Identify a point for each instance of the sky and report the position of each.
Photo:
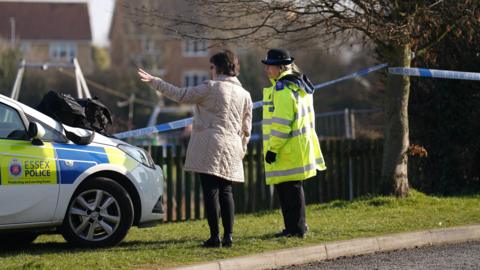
(101, 12)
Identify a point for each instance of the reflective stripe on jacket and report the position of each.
(289, 131)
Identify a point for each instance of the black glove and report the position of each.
(270, 157)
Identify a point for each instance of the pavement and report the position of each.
(332, 250)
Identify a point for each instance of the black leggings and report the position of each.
(218, 198)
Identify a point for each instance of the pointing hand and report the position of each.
(145, 76)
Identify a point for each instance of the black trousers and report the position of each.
(218, 198)
(292, 202)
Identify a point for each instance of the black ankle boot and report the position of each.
(283, 233)
(227, 240)
(212, 242)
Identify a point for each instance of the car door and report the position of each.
(28, 173)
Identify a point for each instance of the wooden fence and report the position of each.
(353, 169)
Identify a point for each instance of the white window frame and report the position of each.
(195, 48)
(57, 49)
(188, 77)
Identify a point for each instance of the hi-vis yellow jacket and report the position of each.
(289, 131)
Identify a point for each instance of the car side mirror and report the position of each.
(36, 133)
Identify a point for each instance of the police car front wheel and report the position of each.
(99, 214)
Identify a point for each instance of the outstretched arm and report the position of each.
(183, 95)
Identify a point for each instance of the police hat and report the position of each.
(278, 57)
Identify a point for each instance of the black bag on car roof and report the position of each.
(86, 113)
(97, 114)
(64, 108)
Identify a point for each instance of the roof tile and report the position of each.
(46, 21)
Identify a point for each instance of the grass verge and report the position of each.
(169, 245)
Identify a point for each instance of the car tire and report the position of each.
(99, 214)
(17, 239)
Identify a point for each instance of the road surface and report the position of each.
(454, 256)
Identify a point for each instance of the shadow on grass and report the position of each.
(56, 248)
(366, 200)
(142, 244)
(378, 202)
(39, 249)
(266, 236)
(337, 204)
(262, 213)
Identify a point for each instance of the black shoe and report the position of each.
(286, 233)
(227, 241)
(299, 235)
(283, 233)
(212, 242)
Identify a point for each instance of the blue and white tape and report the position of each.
(155, 129)
(359, 73)
(257, 104)
(435, 73)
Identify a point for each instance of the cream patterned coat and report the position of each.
(222, 123)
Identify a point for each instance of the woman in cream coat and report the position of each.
(221, 130)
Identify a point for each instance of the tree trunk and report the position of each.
(394, 165)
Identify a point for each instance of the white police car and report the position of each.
(90, 194)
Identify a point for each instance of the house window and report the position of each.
(148, 46)
(63, 50)
(194, 78)
(24, 47)
(194, 48)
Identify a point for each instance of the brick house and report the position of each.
(182, 62)
(48, 32)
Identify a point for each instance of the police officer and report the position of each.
(290, 143)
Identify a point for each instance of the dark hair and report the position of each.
(226, 63)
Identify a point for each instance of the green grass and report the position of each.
(178, 243)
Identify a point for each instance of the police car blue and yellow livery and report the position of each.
(289, 131)
(32, 166)
(91, 193)
(40, 165)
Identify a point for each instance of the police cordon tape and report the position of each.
(419, 72)
(155, 129)
(435, 73)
